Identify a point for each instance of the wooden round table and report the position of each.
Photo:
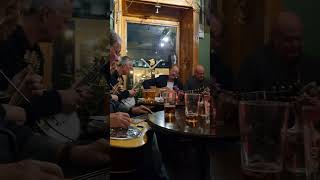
(180, 127)
(199, 137)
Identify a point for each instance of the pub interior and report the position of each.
(159, 90)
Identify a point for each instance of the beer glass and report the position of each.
(263, 127)
(295, 155)
(169, 98)
(204, 111)
(311, 121)
(192, 109)
(149, 95)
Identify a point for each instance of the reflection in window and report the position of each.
(150, 45)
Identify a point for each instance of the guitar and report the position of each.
(133, 137)
(62, 127)
(66, 127)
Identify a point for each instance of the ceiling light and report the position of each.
(161, 44)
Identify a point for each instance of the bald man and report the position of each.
(281, 63)
(198, 80)
(170, 81)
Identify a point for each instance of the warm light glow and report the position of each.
(165, 39)
(131, 72)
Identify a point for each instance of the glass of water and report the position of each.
(263, 127)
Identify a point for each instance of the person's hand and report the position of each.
(29, 83)
(15, 114)
(132, 92)
(115, 97)
(140, 110)
(31, 170)
(119, 119)
(92, 155)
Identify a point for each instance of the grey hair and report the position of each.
(35, 6)
(114, 38)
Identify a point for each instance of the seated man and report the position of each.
(116, 79)
(170, 81)
(197, 81)
(281, 63)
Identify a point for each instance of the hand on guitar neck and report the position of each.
(28, 83)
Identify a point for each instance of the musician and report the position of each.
(170, 81)
(43, 21)
(198, 81)
(18, 142)
(116, 78)
(281, 62)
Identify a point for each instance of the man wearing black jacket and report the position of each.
(170, 81)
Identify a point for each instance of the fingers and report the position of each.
(145, 109)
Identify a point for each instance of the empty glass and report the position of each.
(263, 126)
(192, 109)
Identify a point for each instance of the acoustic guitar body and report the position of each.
(127, 156)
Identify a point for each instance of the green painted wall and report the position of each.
(204, 53)
(308, 10)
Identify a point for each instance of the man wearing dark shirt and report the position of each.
(43, 22)
(170, 81)
(220, 73)
(281, 63)
(198, 81)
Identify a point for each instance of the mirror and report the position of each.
(149, 46)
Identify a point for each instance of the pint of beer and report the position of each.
(169, 105)
(149, 95)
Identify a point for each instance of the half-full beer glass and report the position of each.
(192, 109)
(169, 98)
(263, 127)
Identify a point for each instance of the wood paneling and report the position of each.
(180, 13)
(240, 40)
(47, 51)
(186, 3)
